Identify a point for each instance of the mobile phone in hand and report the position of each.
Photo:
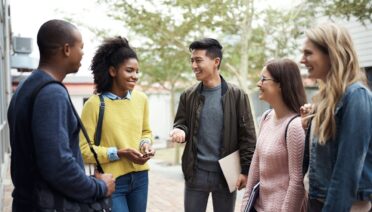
(148, 155)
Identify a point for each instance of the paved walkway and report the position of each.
(165, 190)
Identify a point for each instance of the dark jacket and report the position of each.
(46, 148)
(238, 126)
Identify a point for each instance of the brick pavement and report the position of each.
(167, 187)
(165, 190)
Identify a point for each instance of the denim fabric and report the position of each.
(112, 153)
(131, 192)
(115, 97)
(205, 182)
(340, 172)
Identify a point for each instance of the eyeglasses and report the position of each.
(263, 79)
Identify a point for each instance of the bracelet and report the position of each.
(144, 141)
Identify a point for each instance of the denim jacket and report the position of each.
(340, 172)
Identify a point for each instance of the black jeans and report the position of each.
(205, 182)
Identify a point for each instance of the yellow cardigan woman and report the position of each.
(125, 144)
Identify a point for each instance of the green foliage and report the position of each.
(165, 28)
(168, 27)
(361, 9)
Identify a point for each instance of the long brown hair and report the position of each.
(287, 73)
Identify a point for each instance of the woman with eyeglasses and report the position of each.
(277, 160)
(339, 177)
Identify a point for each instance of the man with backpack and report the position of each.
(44, 128)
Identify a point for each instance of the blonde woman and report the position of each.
(340, 164)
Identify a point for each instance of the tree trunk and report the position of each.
(244, 59)
(176, 159)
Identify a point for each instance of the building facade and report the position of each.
(362, 38)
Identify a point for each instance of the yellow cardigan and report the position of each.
(125, 123)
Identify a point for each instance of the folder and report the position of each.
(252, 198)
(231, 169)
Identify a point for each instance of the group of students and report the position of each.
(307, 157)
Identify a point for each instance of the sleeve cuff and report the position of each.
(245, 170)
(112, 153)
(102, 188)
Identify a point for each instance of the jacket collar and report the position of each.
(349, 89)
(224, 86)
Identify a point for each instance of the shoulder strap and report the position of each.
(286, 128)
(97, 137)
(35, 92)
(263, 118)
(32, 102)
(305, 163)
(266, 114)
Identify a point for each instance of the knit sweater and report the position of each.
(45, 146)
(277, 165)
(125, 123)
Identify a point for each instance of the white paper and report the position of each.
(230, 166)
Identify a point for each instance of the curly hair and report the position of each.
(336, 42)
(111, 53)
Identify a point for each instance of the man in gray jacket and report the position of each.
(214, 119)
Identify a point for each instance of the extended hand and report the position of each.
(305, 112)
(177, 135)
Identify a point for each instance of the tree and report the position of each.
(360, 9)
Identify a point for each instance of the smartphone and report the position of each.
(148, 155)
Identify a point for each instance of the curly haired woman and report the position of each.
(125, 144)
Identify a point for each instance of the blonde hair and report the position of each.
(335, 41)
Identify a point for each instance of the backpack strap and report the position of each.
(263, 118)
(97, 136)
(32, 102)
(36, 92)
(266, 114)
(305, 164)
(286, 128)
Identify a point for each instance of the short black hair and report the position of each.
(112, 52)
(213, 47)
(52, 35)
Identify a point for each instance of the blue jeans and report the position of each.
(131, 192)
(198, 189)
